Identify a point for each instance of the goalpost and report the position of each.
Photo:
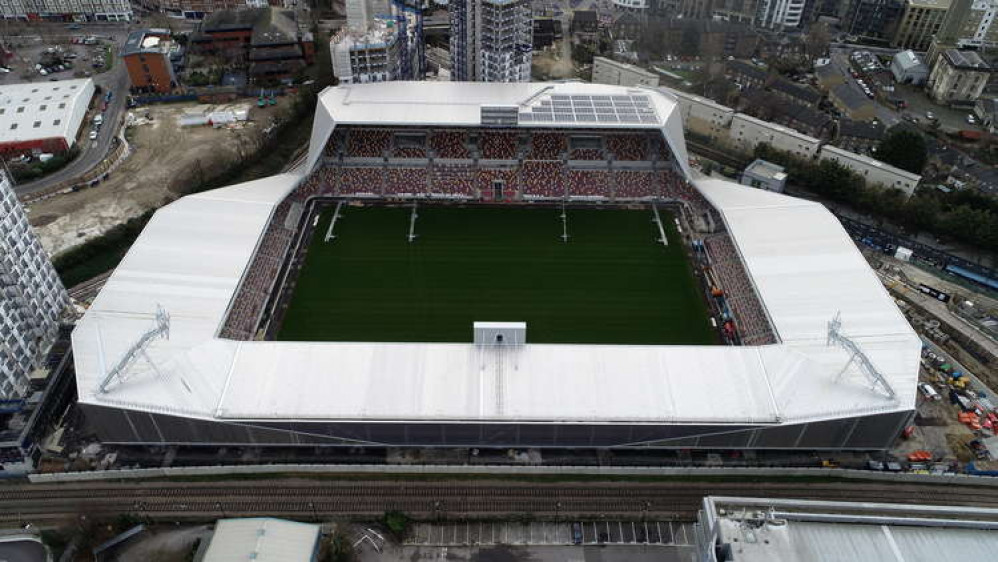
(332, 223)
(412, 224)
(564, 223)
(658, 222)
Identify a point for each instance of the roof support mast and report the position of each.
(836, 337)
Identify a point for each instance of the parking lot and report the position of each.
(662, 533)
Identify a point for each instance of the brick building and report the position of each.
(148, 55)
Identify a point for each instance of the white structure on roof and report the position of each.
(773, 530)
(908, 68)
(194, 252)
(43, 116)
(872, 170)
(764, 175)
(31, 297)
(263, 539)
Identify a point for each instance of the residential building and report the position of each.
(383, 41)
(491, 40)
(746, 75)
(32, 298)
(908, 68)
(269, 42)
(958, 76)
(872, 19)
(148, 55)
(198, 9)
(701, 116)
(780, 14)
(609, 71)
(748, 132)
(859, 136)
(42, 117)
(970, 24)
(920, 21)
(872, 170)
(986, 110)
(637, 5)
(795, 93)
(72, 10)
(263, 539)
(764, 175)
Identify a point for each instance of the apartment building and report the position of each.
(31, 297)
(75, 10)
(491, 40)
(609, 71)
(958, 76)
(920, 22)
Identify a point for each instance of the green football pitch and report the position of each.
(611, 283)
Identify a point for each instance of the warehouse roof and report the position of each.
(42, 110)
(262, 539)
(771, 530)
(193, 253)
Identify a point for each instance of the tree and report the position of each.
(905, 149)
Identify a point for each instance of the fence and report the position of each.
(485, 470)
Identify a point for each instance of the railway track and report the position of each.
(89, 289)
(161, 500)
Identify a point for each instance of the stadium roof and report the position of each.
(43, 110)
(192, 254)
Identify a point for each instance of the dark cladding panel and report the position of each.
(727, 440)
(877, 432)
(826, 434)
(778, 437)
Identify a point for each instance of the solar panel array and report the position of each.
(604, 110)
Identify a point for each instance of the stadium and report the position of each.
(496, 265)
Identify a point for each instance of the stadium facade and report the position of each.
(170, 351)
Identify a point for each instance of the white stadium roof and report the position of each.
(262, 539)
(192, 255)
(42, 110)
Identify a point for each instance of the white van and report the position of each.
(929, 392)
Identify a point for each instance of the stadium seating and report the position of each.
(750, 318)
(634, 184)
(450, 144)
(352, 181)
(586, 154)
(487, 178)
(589, 183)
(543, 179)
(368, 143)
(628, 147)
(409, 152)
(547, 146)
(497, 145)
(406, 181)
(454, 181)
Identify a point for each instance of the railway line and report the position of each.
(676, 500)
(89, 289)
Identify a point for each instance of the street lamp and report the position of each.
(311, 506)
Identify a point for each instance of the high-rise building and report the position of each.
(31, 297)
(920, 21)
(382, 41)
(491, 40)
(872, 19)
(780, 14)
(91, 10)
(970, 23)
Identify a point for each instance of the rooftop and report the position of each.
(262, 539)
(193, 253)
(930, 4)
(802, 93)
(768, 530)
(908, 59)
(861, 129)
(965, 60)
(147, 41)
(41, 110)
(765, 169)
(746, 69)
(868, 161)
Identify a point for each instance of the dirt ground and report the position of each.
(166, 159)
(554, 62)
(167, 545)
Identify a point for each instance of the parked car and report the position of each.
(93, 135)
(930, 116)
(970, 119)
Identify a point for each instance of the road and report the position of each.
(115, 80)
(840, 59)
(45, 504)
